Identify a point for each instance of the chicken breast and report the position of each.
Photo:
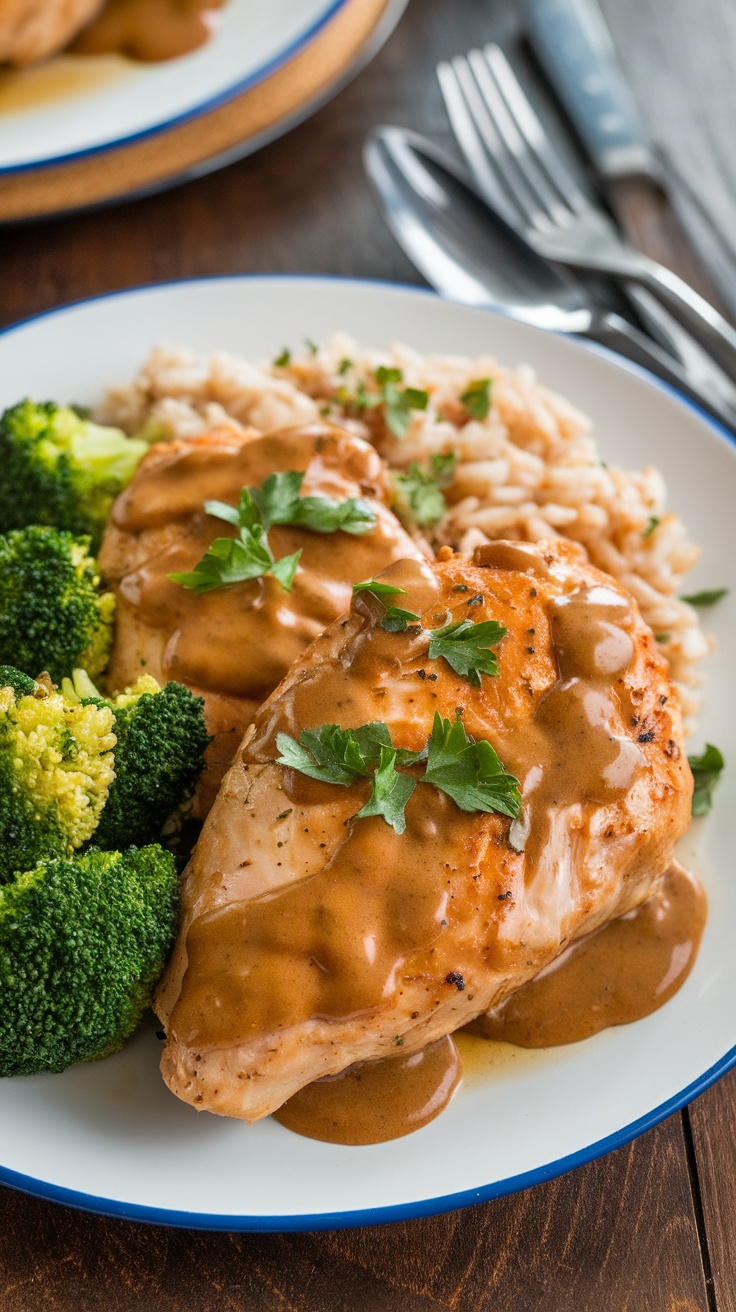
(311, 940)
(235, 644)
(31, 30)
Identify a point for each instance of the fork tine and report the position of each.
(499, 156)
(470, 143)
(534, 176)
(532, 131)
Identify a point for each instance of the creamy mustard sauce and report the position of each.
(622, 972)
(376, 1101)
(462, 909)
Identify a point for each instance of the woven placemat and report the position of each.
(252, 117)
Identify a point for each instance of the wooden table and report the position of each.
(651, 1226)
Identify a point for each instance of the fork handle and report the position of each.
(691, 310)
(617, 334)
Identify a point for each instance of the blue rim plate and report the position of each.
(109, 1137)
(165, 85)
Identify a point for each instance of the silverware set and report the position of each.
(517, 230)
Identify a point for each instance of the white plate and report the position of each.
(127, 101)
(110, 1137)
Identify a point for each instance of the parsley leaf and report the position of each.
(284, 360)
(469, 772)
(418, 492)
(394, 620)
(464, 645)
(237, 560)
(397, 403)
(477, 398)
(706, 771)
(331, 754)
(390, 794)
(705, 598)
(651, 525)
(278, 502)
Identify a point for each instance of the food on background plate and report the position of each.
(515, 778)
(460, 799)
(145, 30)
(227, 620)
(31, 30)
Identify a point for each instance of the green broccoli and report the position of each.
(83, 940)
(161, 741)
(56, 767)
(61, 469)
(53, 615)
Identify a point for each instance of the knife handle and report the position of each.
(573, 45)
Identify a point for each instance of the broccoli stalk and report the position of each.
(56, 767)
(53, 615)
(82, 942)
(161, 741)
(61, 469)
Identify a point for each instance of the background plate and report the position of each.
(130, 100)
(109, 1136)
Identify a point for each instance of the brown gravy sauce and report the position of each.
(389, 918)
(149, 31)
(376, 1101)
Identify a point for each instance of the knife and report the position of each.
(574, 47)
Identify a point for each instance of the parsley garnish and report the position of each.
(464, 645)
(395, 620)
(311, 346)
(477, 398)
(397, 403)
(390, 794)
(284, 360)
(705, 598)
(469, 772)
(652, 524)
(706, 771)
(419, 491)
(344, 365)
(248, 555)
(236, 560)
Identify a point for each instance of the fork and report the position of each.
(518, 171)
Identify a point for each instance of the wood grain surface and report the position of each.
(649, 1227)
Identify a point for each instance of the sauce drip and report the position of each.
(622, 972)
(149, 31)
(376, 1101)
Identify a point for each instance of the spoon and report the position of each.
(470, 254)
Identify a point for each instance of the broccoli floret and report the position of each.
(56, 767)
(61, 469)
(52, 614)
(161, 741)
(82, 942)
